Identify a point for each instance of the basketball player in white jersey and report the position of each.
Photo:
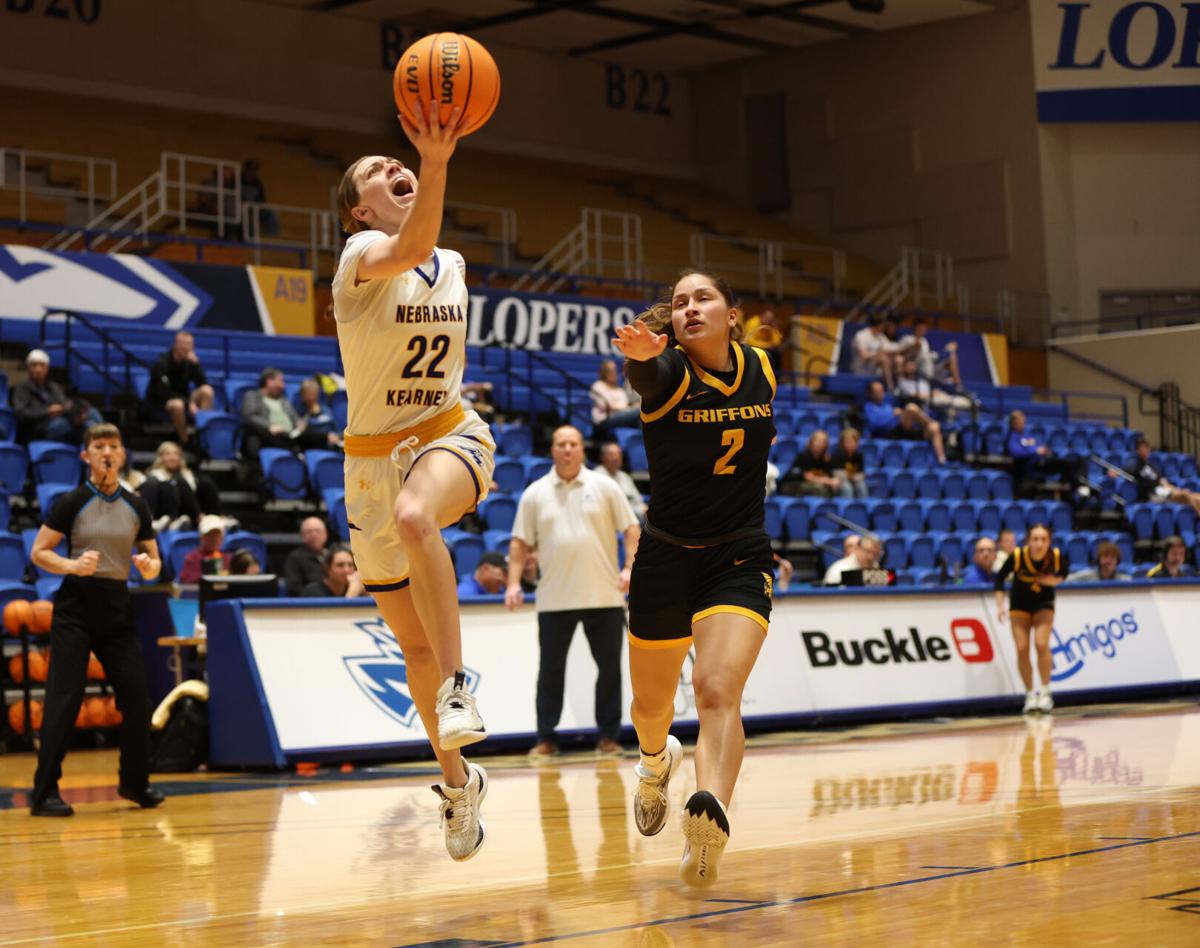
(415, 461)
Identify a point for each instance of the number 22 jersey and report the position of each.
(707, 435)
(403, 338)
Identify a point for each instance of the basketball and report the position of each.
(39, 666)
(82, 719)
(95, 671)
(454, 69)
(16, 716)
(42, 614)
(97, 714)
(112, 717)
(18, 615)
(16, 669)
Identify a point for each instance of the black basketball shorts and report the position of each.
(673, 587)
(1024, 599)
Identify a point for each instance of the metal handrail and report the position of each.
(92, 193)
(108, 341)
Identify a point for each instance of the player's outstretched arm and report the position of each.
(638, 344)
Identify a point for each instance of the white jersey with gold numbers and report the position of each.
(403, 339)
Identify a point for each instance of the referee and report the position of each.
(93, 611)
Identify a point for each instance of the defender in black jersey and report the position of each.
(1036, 569)
(93, 612)
(703, 571)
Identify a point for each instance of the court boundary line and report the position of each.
(859, 890)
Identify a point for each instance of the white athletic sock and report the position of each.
(656, 763)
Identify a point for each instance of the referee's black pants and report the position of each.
(605, 631)
(94, 615)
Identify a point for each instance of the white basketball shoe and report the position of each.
(650, 805)
(459, 723)
(706, 832)
(460, 814)
(1045, 702)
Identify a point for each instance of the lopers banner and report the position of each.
(545, 321)
(1117, 60)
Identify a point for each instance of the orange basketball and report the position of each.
(43, 615)
(16, 669)
(95, 671)
(39, 666)
(454, 69)
(16, 716)
(82, 719)
(18, 615)
(112, 717)
(97, 716)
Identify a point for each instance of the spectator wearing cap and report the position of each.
(979, 573)
(1108, 561)
(44, 413)
(340, 577)
(572, 517)
(212, 536)
(304, 564)
(178, 385)
(1173, 565)
(488, 579)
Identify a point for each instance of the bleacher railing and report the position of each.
(500, 225)
(19, 167)
(774, 265)
(604, 244)
(119, 383)
(283, 223)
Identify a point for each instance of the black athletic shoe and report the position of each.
(53, 805)
(706, 832)
(146, 797)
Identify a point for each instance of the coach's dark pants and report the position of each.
(605, 629)
(94, 615)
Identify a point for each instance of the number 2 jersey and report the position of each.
(403, 338)
(707, 435)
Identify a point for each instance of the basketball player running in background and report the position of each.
(415, 461)
(1036, 569)
(703, 569)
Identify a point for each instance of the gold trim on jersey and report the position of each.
(768, 371)
(739, 360)
(380, 445)
(731, 610)
(673, 400)
(658, 643)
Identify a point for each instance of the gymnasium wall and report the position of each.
(1122, 210)
(293, 66)
(924, 136)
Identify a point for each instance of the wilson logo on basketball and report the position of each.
(969, 637)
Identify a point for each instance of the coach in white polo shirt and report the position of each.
(572, 517)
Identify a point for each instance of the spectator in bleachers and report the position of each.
(572, 516)
(489, 578)
(611, 405)
(1032, 458)
(1173, 565)
(315, 415)
(874, 353)
(272, 422)
(177, 498)
(847, 463)
(1152, 487)
(44, 413)
(1006, 543)
(254, 191)
(477, 396)
(766, 332)
(980, 572)
(244, 563)
(1108, 558)
(937, 368)
(178, 385)
(202, 560)
(812, 471)
(304, 564)
(850, 543)
(865, 555)
(910, 423)
(911, 387)
(612, 462)
(340, 578)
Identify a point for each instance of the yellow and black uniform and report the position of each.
(704, 549)
(1028, 595)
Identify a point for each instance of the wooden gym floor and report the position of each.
(1081, 829)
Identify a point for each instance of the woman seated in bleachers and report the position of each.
(811, 474)
(611, 404)
(177, 497)
(315, 414)
(341, 576)
(847, 463)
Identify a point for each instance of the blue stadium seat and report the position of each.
(818, 507)
(954, 485)
(467, 549)
(1036, 511)
(829, 545)
(929, 485)
(922, 551)
(892, 454)
(796, 520)
(516, 441)
(870, 453)
(1000, 485)
(1122, 541)
(498, 512)
(953, 549)
(990, 517)
(773, 518)
(220, 434)
(509, 475)
(924, 576)
(963, 517)
(335, 506)
(235, 391)
(1098, 441)
(918, 454)
(47, 586)
(978, 486)
(1077, 440)
(1188, 467)
(1164, 520)
(804, 424)
(882, 515)
(1061, 520)
(877, 483)
(895, 550)
(536, 467)
(245, 540)
(1185, 520)
(784, 453)
(55, 462)
(497, 541)
(13, 558)
(14, 468)
(1056, 439)
(284, 474)
(326, 469)
(855, 511)
(785, 423)
(1013, 518)
(182, 543)
(937, 515)
(48, 493)
(1141, 520)
(903, 485)
(1078, 547)
(911, 516)
(8, 425)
